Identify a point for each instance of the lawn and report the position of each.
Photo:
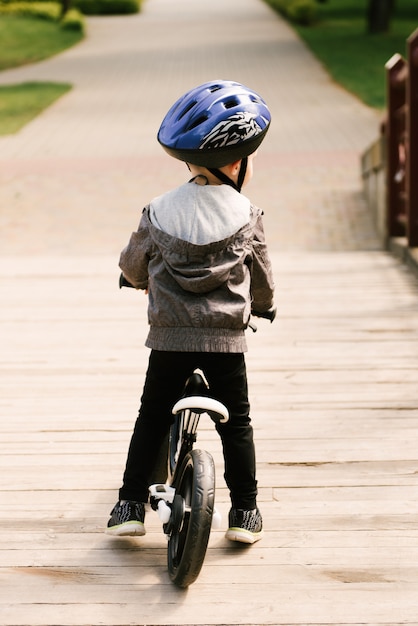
(28, 40)
(21, 103)
(354, 58)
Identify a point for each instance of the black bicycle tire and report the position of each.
(187, 546)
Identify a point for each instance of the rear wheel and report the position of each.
(191, 519)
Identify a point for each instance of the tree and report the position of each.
(65, 5)
(379, 13)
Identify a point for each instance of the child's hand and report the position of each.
(124, 282)
(270, 314)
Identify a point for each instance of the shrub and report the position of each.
(51, 11)
(107, 7)
(280, 6)
(44, 10)
(88, 7)
(73, 20)
(299, 11)
(302, 11)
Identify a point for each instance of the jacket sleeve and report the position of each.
(135, 257)
(262, 283)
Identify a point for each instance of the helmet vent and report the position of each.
(215, 88)
(200, 120)
(187, 109)
(229, 104)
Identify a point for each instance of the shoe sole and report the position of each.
(243, 536)
(128, 529)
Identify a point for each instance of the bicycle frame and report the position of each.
(183, 435)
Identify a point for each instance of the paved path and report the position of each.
(333, 382)
(77, 177)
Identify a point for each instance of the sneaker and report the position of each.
(245, 526)
(127, 519)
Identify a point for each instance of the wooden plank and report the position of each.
(345, 605)
(151, 550)
(391, 448)
(285, 537)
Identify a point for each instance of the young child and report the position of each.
(200, 254)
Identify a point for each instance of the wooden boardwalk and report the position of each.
(334, 388)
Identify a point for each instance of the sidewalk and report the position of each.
(332, 382)
(78, 176)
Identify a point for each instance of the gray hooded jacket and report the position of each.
(200, 251)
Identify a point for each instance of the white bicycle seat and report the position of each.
(201, 404)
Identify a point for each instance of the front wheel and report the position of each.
(191, 517)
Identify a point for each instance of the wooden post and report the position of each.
(412, 135)
(396, 69)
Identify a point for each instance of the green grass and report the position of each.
(19, 104)
(28, 40)
(354, 58)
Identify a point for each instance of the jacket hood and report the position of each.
(201, 268)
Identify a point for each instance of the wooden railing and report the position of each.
(390, 165)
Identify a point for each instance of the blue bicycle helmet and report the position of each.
(215, 124)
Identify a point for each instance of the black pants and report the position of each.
(164, 383)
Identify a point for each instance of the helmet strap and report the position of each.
(228, 181)
(203, 177)
(242, 172)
